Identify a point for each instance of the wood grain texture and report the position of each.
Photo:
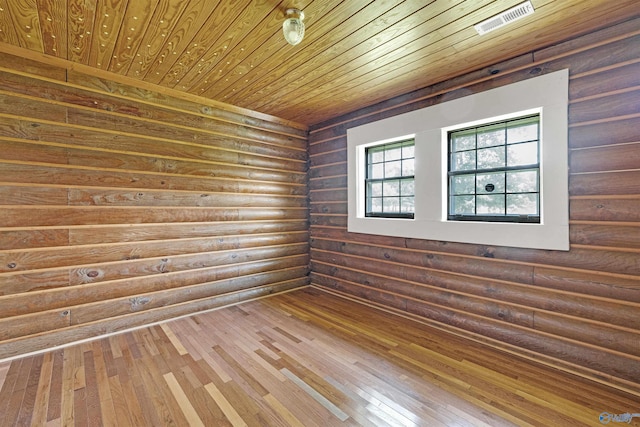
(117, 210)
(556, 306)
(305, 358)
(232, 51)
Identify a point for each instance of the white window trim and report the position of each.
(546, 95)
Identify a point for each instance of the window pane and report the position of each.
(391, 205)
(376, 171)
(465, 160)
(393, 154)
(488, 183)
(463, 205)
(376, 205)
(375, 189)
(522, 181)
(408, 151)
(522, 154)
(391, 188)
(490, 136)
(464, 140)
(522, 204)
(489, 158)
(407, 204)
(376, 156)
(393, 169)
(523, 130)
(463, 184)
(493, 204)
(408, 187)
(408, 167)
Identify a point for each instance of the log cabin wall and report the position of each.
(121, 206)
(577, 310)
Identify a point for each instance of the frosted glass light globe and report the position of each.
(293, 27)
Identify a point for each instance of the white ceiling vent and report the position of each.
(504, 18)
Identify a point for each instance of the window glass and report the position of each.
(494, 171)
(390, 184)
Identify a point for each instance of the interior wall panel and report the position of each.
(120, 206)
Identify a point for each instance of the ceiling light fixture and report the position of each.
(293, 27)
(504, 18)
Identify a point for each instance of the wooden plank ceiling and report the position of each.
(355, 52)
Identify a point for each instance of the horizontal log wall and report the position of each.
(577, 310)
(120, 206)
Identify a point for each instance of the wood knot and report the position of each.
(88, 276)
(535, 70)
(137, 302)
(12, 265)
(387, 256)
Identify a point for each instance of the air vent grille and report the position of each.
(504, 18)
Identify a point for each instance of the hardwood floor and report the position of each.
(304, 358)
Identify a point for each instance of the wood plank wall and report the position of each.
(577, 310)
(120, 206)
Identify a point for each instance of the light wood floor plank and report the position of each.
(185, 405)
(229, 411)
(69, 371)
(174, 340)
(283, 411)
(44, 388)
(303, 358)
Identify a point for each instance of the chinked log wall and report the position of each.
(121, 206)
(578, 310)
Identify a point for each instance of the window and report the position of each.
(389, 181)
(490, 168)
(494, 172)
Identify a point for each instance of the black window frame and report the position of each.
(369, 180)
(496, 218)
